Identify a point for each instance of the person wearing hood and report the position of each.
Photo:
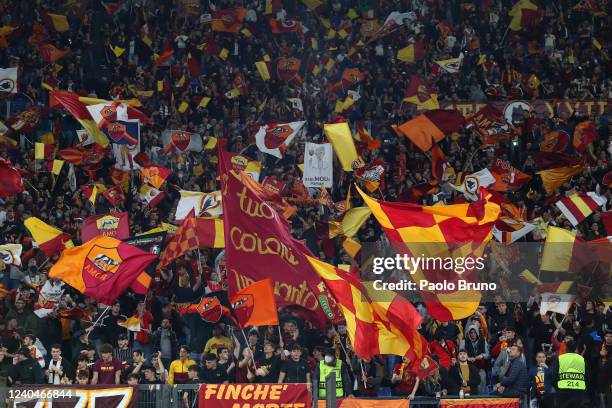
(478, 352)
(25, 369)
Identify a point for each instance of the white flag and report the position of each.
(8, 80)
(275, 139)
(10, 254)
(472, 183)
(556, 303)
(318, 165)
(84, 137)
(205, 204)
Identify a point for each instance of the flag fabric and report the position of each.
(57, 22)
(339, 135)
(364, 137)
(185, 240)
(275, 138)
(80, 156)
(524, 14)
(372, 175)
(351, 247)
(10, 255)
(555, 178)
(102, 268)
(155, 175)
(259, 245)
(211, 307)
(264, 69)
(284, 26)
(255, 305)
(206, 204)
(431, 127)
(51, 53)
(584, 135)
(114, 225)
(42, 151)
(439, 163)
(119, 121)
(114, 195)
(377, 323)
(556, 303)
(8, 80)
(153, 244)
(228, 21)
(420, 94)
(210, 232)
(131, 323)
(151, 195)
(507, 177)
(439, 231)
(529, 277)
(509, 230)
(577, 207)
(451, 65)
(411, 53)
(78, 109)
(181, 141)
(564, 251)
(353, 220)
(555, 141)
(49, 239)
(11, 182)
(490, 123)
(473, 182)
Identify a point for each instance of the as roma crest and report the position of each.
(276, 135)
(209, 309)
(109, 112)
(181, 140)
(243, 307)
(100, 264)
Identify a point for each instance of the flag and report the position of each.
(584, 135)
(58, 22)
(114, 225)
(509, 230)
(411, 53)
(163, 57)
(80, 156)
(451, 231)
(263, 68)
(287, 69)
(351, 247)
(259, 245)
(556, 303)
(561, 250)
(78, 109)
(420, 94)
(181, 141)
(26, 121)
(555, 178)
(275, 138)
(524, 14)
(228, 21)
(10, 255)
(151, 195)
(155, 175)
(42, 151)
(114, 195)
(431, 126)
(119, 121)
(210, 232)
(378, 322)
(102, 268)
(318, 165)
(473, 182)
(529, 277)
(131, 323)
(353, 220)
(50, 53)
(211, 307)
(555, 141)
(284, 26)
(451, 65)
(372, 175)
(339, 135)
(185, 240)
(255, 305)
(11, 183)
(438, 162)
(153, 244)
(577, 207)
(208, 204)
(507, 177)
(364, 137)
(117, 51)
(49, 239)
(8, 80)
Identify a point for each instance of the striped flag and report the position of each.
(565, 252)
(49, 239)
(577, 207)
(509, 230)
(378, 322)
(210, 232)
(77, 108)
(442, 231)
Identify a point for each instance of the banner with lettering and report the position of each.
(318, 165)
(543, 107)
(368, 403)
(480, 403)
(254, 395)
(89, 396)
(114, 225)
(258, 245)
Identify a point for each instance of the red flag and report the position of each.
(438, 162)
(284, 26)
(228, 21)
(10, 179)
(584, 134)
(507, 177)
(114, 225)
(114, 195)
(255, 305)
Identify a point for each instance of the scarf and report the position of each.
(53, 377)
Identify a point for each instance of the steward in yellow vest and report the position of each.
(571, 378)
(328, 365)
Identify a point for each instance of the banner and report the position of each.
(480, 403)
(89, 396)
(124, 153)
(318, 165)
(254, 395)
(542, 107)
(153, 244)
(368, 403)
(114, 225)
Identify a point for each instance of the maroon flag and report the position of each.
(10, 179)
(114, 225)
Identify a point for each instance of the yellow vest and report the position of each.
(324, 371)
(571, 372)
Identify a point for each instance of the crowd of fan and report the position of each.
(174, 349)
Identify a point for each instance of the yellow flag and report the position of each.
(262, 68)
(246, 32)
(354, 219)
(160, 86)
(181, 82)
(339, 135)
(39, 151)
(204, 101)
(343, 34)
(224, 54)
(183, 107)
(211, 143)
(60, 22)
(118, 51)
(558, 250)
(57, 167)
(555, 178)
(352, 14)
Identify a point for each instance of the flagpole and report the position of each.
(249, 347)
(280, 337)
(95, 323)
(363, 373)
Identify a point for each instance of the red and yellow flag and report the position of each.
(378, 322)
(102, 268)
(49, 239)
(228, 21)
(185, 240)
(155, 175)
(455, 232)
(255, 305)
(432, 126)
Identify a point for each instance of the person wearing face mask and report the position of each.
(328, 365)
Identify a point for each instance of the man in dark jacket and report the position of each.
(515, 381)
(463, 375)
(25, 369)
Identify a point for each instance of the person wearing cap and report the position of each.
(295, 369)
(330, 364)
(463, 375)
(211, 373)
(25, 369)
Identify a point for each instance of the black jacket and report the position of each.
(27, 371)
(455, 379)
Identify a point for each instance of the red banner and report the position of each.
(98, 396)
(543, 107)
(254, 395)
(259, 245)
(114, 225)
(480, 403)
(368, 403)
